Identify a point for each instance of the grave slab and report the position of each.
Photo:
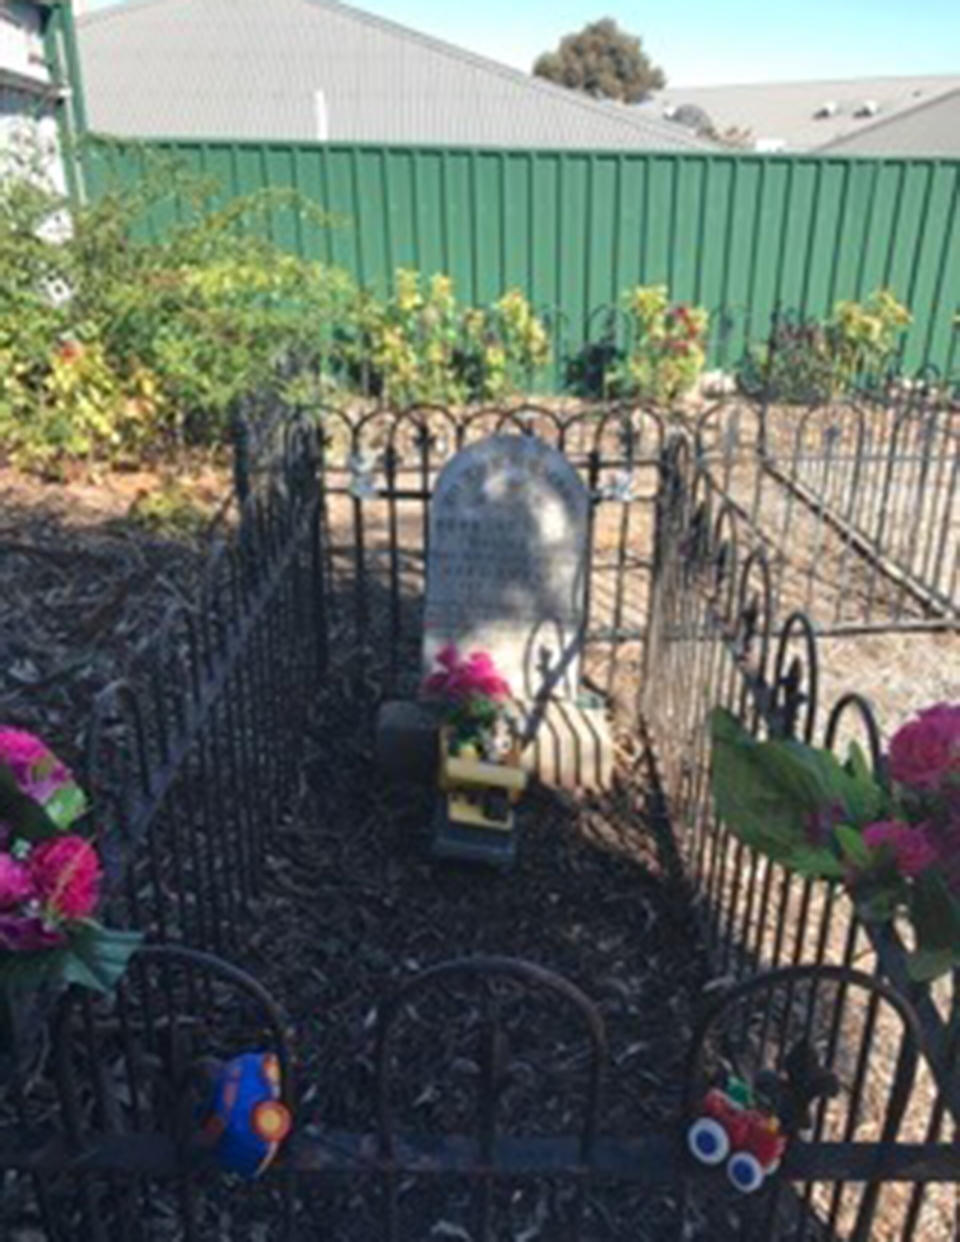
(507, 564)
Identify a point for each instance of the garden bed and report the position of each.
(87, 572)
(355, 906)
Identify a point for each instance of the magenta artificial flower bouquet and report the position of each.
(894, 844)
(50, 877)
(472, 696)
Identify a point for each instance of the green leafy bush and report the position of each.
(807, 362)
(795, 367)
(424, 347)
(864, 335)
(667, 347)
(115, 346)
(503, 347)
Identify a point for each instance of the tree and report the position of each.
(603, 61)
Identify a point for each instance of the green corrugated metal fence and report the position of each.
(742, 234)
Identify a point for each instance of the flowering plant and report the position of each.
(667, 352)
(895, 846)
(50, 877)
(471, 695)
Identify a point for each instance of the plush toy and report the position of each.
(748, 1126)
(246, 1121)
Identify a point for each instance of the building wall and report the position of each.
(36, 98)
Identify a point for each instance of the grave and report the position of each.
(507, 563)
(507, 573)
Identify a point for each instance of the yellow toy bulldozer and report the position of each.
(475, 818)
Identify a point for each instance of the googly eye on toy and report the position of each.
(246, 1121)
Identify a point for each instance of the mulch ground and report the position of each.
(357, 907)
(84, 585)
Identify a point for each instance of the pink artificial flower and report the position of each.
(27, 934)
(483, 678)
(460, 679)
(37, 771)
(926, 750)
(67, 874)
(912, 848)
(16, 883)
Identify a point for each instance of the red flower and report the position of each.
(70, 351)
(925, 752)
(911, 847)
(67, 873)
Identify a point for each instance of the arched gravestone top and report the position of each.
(507, 565)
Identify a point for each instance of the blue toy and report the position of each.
(247, 1121)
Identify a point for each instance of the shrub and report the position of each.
(424, 347)
(864, 335)
(411, 341)
(808, 361)
(504, 345)
(113, 345)
(666, 352)
(795, 366)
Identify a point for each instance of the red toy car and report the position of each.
(729, 1126)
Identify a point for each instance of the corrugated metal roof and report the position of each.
(250, 69)
(932, 128)
(788, 110)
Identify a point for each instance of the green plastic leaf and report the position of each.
(877, 905)
(935, 912)
(754, 800)
(97, 957)
(817, 863)
(857, 764)
(66, 805)
(854, 848)
(865, 799)
(925, 965)
(27, 818)
(771, 793)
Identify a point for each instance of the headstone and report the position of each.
(507, 566)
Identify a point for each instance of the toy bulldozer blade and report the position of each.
(475, 819)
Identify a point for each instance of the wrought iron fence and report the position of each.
(378, 471)
(127, 1160)
(190, 762)
(856, 503)
(717, 638)
(190, 767)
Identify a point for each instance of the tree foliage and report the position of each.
(603, 61)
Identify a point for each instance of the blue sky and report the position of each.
(710, 41)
